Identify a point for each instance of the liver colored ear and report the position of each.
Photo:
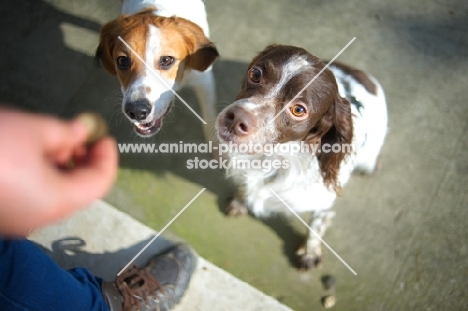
(341, 133)
(104, 50)
(335, 127)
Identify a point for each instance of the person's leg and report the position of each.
(30, 280)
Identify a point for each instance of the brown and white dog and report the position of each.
(171, 36)
(335, 126)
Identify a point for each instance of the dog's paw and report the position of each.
(236, 208)
(307, 260)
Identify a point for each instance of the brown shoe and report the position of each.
(158, 286)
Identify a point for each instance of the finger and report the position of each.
(92, 178)
(61, 138)
(80, 155)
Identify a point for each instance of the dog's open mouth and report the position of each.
(148, 129)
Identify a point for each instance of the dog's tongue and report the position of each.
(147, 129)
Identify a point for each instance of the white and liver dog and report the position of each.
(171, 36)
(342, 108)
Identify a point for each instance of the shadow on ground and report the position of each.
(69, 253)
(38, 71)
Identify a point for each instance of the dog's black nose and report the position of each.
(239, 121)
(138, 110)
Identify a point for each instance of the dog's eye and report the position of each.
(123, 62)
(255, 75)
(166, 61)
(298, 110)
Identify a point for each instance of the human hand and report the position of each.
(36, 187)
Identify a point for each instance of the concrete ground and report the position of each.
(403, 230)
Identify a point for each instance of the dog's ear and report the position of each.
(202, 51)
(204, 56)
(334, 134)
(106, 45)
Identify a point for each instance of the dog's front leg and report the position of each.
(236, 206)
(204, 86)
(310, 253)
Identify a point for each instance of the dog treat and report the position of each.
(328, 301)
(95, 126)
